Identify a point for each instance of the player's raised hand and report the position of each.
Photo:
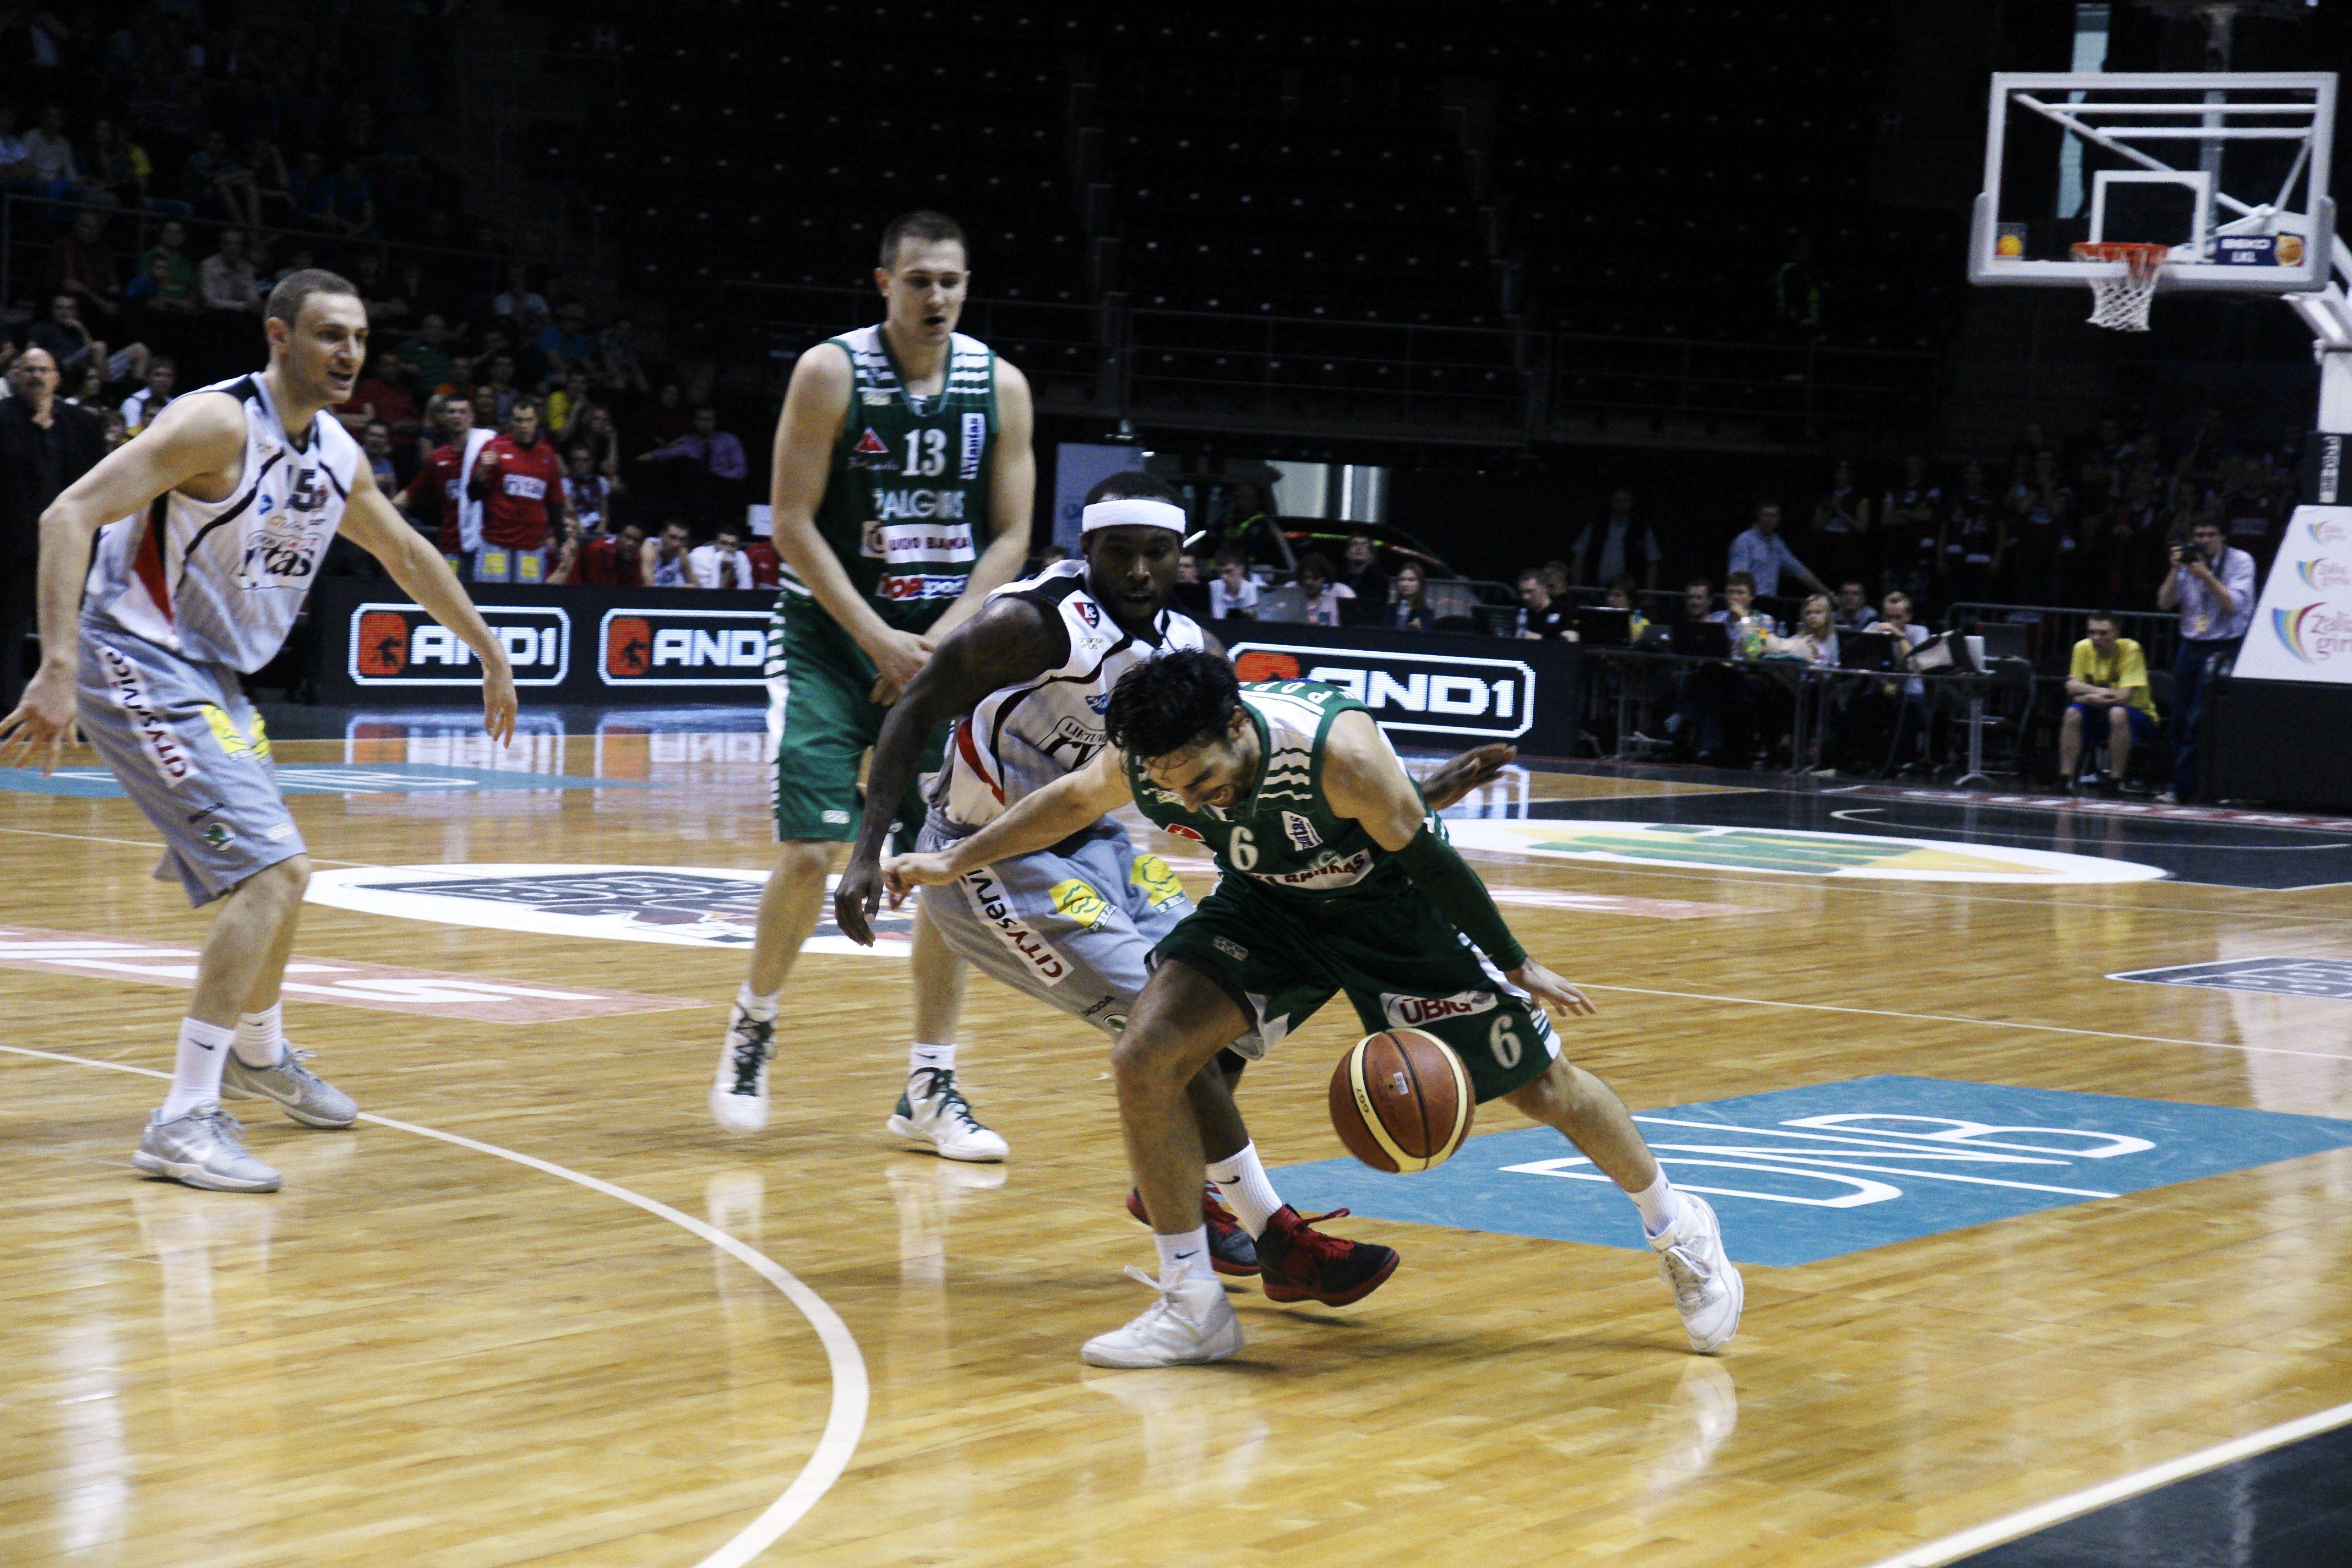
(1457, 776)
(498, 703)
(902, 874)
(897, 656)
(1550, 990)
(42, 724)
(855, 899)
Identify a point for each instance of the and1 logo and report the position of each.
(683, 647)
(400, 645)
(1435, 693)
(679, 906)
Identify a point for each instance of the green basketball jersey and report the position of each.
(905, 505)
(1283, 836)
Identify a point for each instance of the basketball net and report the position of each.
(2120, 300)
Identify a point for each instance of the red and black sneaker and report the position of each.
(1231, 1250)
(1299, 1263)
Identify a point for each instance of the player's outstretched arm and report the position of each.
(1038, 821)
(370, 523)
(1458, 776)
(1009, 641)
(200, 434)
(1011, 498)
(1363, 780)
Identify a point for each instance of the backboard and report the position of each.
(2228, 169)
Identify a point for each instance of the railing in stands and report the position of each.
(2052, 631)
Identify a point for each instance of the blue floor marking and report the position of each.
(1802, 1174)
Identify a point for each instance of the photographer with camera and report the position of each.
(2212, 586)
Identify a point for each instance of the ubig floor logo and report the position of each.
(682, 647)
(1802, 1174)
(686, 906)
(400, 645)
(1439, 693)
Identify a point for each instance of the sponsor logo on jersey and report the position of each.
(1179, 829)
(1099, 701)
(1437, 693)
(1412, 1012)
(682, 647)
(919, 587)
(1300, 831)
(400, 645)
(130, 688)
(1331, 870)
(876, 397)
(1087, 612)
(894, 505)
(233, 740)
(1159, 884)
(916, 540)
(975, 444)
(218, 834)
(525, 486)
(986, 896)
(873, 453)
(1075, 901)
(1231, 948)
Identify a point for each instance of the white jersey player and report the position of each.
(1075, 925)
(202, 540)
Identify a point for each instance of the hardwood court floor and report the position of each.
(424, 1354)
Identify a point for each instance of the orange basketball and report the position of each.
(1401, 1100)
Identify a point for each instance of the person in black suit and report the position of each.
(46, 443)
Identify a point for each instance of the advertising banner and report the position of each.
(2303, 623)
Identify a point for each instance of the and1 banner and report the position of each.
(2303, 624)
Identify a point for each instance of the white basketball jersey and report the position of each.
(1022, 738)
(221, 582)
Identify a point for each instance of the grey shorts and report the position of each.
(1074, 928)
(189, 749)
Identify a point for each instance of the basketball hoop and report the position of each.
(2120, 300)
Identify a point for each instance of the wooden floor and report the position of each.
(428, 1354)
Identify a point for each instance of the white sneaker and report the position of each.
(1191, 1324)
(205, 1148)
(1707, 1289)
(933, 1110)
(739, 1093)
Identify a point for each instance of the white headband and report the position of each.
(1132, 512)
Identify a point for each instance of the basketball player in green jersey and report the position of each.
(1335, 876)
(898, 444)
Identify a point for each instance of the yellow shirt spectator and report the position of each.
(2125, 668)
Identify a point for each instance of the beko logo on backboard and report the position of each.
(400, 645)
(1438, 692)
(682, 647)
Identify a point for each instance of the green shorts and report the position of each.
(1401, 963)
(821, 724)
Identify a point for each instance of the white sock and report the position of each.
(1660, 1206)
(1184, 1256)
(1242, 1183)
(920, 1056)
(758, 1008)
(197, 1067)
(261, 1036)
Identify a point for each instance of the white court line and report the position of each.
(1956, 1018)
(148, 844)
(2041, 1516)
(842, 1424)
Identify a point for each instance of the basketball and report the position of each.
(1400, 1100)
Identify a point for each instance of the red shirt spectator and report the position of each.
(613, 561)
(381, 395)
(520, 480)
(767, 571)
(437, 480)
